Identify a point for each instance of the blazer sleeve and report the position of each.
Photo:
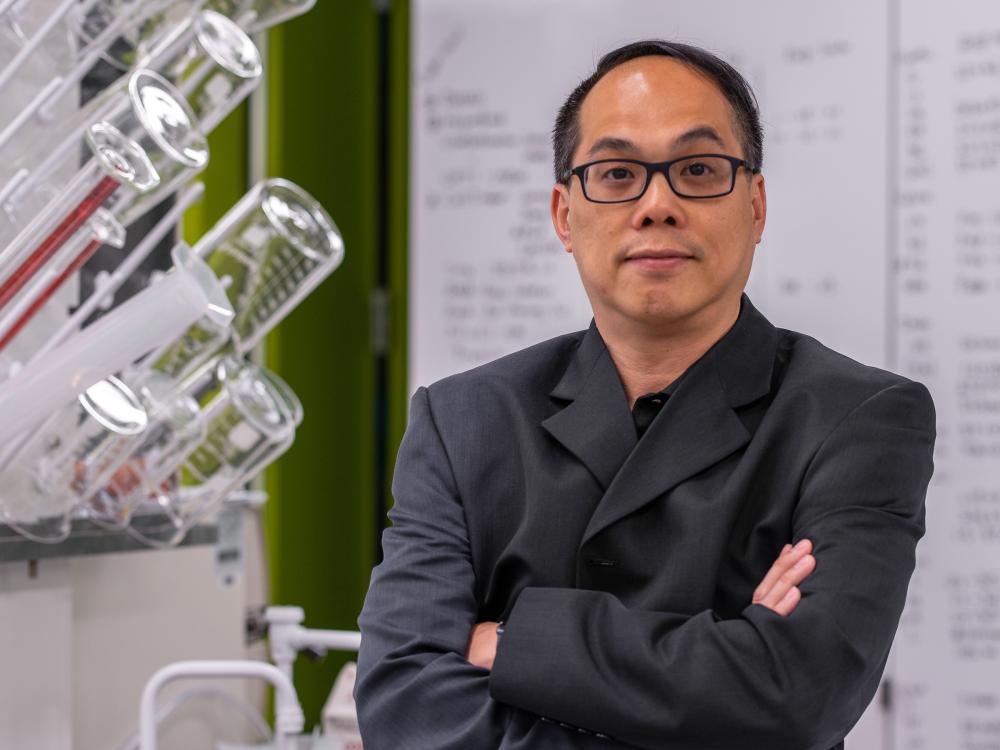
(656, 679)
(415, 690)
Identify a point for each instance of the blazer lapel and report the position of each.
(596, 426)
(698, 425)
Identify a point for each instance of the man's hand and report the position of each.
(779, 591)
(482, 648)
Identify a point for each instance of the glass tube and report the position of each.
(30, 46)
(176, 427)
(136, 25)
(161, 121)
(154, 316)
(118, 161)
(272, 248)
(251, 421)
(151, 146)
(101, 229)
(74, 453)
(258, 15)
(105, 26)
(269, 251)
(213, 63)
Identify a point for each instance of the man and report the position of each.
(623, 499)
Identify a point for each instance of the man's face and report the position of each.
(655, 108)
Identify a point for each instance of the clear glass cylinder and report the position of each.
(270, 250)
(73, 454)
(149, 141)
(176, 427)
(119, 167)
(123, 32)
(251, 421)
(161, 121)
(213, 63)
(258, 15)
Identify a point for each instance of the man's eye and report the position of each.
(617, 174)
(698, 169)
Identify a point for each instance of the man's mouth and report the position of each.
(658, 259)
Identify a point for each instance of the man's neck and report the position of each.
(649, 358)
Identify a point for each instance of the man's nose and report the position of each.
(659, 204)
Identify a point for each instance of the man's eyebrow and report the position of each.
(700, 133)
(612, 143)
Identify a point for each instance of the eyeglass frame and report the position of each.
(661, 167)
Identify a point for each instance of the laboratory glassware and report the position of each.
(101, 229)
(257, 15)
(64, 462)
(176, 427)
(106, 287)
(118, 161)
(270, 250)
(127, 30)
(153, 114)
(251, 421)
(169, 150)
(155, 315)
(213, 63)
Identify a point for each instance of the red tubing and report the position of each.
(59, 236)
(72, 268)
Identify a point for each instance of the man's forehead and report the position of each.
(653, 92)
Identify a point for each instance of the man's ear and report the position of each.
(758, 203)
(560, 215)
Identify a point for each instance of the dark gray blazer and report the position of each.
(624, 570)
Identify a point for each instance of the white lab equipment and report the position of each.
(340, 714)
(157, 314)
(288, 717)
(53, 21)
(286, 637)
(149, 111)
(101, 28)
(163, 123)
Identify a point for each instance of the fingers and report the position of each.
(788, 557)
(788, 602)
(779, 590)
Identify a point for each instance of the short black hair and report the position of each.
(566, 133)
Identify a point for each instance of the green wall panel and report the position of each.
(225, 177)
(398, 124)
(323, 119)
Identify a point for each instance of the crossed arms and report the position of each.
(787, 673)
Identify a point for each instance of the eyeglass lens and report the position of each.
(698, 177)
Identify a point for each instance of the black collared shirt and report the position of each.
(647, 407)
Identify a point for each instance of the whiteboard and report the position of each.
(882, 163)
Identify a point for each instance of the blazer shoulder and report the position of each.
(528, 374)
(810, 369)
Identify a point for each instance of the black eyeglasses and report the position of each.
(623, 180)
